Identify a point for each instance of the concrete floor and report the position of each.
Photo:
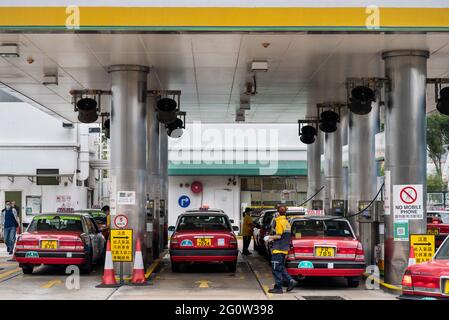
(195, 282)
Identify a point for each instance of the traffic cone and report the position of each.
(411, 258)
(138, 277)
(108, 280)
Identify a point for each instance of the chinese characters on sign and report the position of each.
(408, 202)
(122, 245)
(423, 246)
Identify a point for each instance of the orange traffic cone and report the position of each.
(411, 258)
(138, 277)
(108, 280)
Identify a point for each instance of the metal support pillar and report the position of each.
(128, 149)
(163, 163)
(405, 146)
(333, 168)
(363, 174)
(313, 168)
(153, 179)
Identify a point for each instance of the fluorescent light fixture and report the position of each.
(50, 80)
(9, 50)
(245, 106)
(259, 66)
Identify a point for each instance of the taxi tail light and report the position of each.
(407, 282)
(19, 243)
(346, 250)
(428, 282)
(291, 253)
(174, 242)
(233, 243)
(444, 230)
(303, 251)
(360, 254)
(68, 244)
(27, 244)
(79, 245)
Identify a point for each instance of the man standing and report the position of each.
(281, 245)
(10, 223)
(247, 231)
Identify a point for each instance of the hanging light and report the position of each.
(107, 128)
(87, 110)
(328, 121)
(443, 101)
(361, 99)
(175, 129)
(166, 110)
(307, 134)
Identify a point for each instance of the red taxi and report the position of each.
(60, 239)
(428, 280)
(325, 246)
(438, 224)
(203, 236)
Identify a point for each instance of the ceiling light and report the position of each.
(175, 129)
(443, 101)
(259, 66)
(10, 50)
(50, 80)
(307, 134)
(361, 99)
(87, 110)
(328, 121)
(166, 110)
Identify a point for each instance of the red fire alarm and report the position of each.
(196, 187)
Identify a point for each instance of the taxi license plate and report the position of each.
(446, 286)
(324, 252)
(203, 242)
(49, 244)
(433, 231)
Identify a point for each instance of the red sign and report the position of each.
(121, 221)
(408, 195)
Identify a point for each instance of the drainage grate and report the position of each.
(323, 298)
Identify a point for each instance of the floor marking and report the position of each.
(259, 281)
(10, 272)
(265, 289)
(203, 283)
(51, 283)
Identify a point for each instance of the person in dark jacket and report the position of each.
(279, 250)
(9, 221)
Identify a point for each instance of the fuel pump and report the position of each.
(338, 208)
(317, 204)
(369, 220)
(149, 218)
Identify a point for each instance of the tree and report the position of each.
(435, 183)
(437, 138)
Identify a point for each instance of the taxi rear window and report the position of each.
(443, 252)
(321, 228)
(56, 223)
(203, 222)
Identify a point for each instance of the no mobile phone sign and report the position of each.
(408, 202)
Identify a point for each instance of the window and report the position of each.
(56, 223)
(47, 181)
(321, 228)
(203, 222)
(443, 252)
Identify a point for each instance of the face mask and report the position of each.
(8, 207)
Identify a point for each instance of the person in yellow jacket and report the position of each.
(279, 250)
(247, 231)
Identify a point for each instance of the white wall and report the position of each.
(213, 186)
(31, 139)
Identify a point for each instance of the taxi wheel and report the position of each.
(175, 267)
(353, 282)
(232, 266)
(27, 269)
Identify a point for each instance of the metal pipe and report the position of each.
(128, 148)
(333, 167)
(153, 179)
(405, 146)
(313, 167)
(363, 173)
(163, 163)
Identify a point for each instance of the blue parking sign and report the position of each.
(184, 201)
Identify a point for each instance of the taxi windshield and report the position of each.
(321, 228)
(443, 252)
(56, 223)
(203, 222)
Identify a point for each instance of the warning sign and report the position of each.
(423, 246)
(408, 202)
(122, 245)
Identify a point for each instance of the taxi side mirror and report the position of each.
(235, 228)
(171, 228)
